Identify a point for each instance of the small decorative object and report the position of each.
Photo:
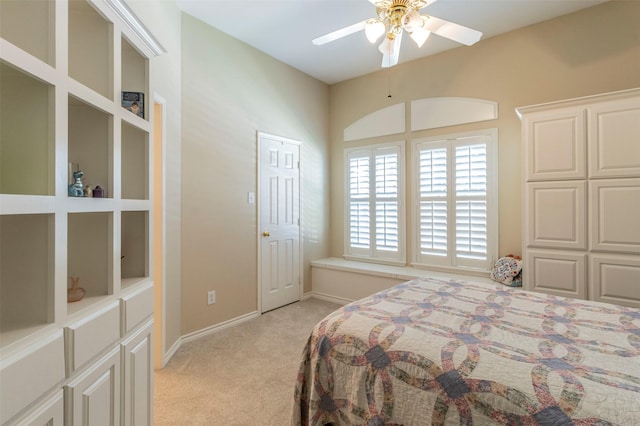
(75, 293)
(76, 189)
(88, 192)
(134, 102)
(98, 192)
(508, 271)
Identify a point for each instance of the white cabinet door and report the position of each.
(615, 279)
(556, 214)
(615, 215)
(555, 146)
(562, 273)
(93, 398)
(614, 139)
(137, 352)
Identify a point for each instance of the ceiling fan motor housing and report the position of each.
(395, 13)
(396, 16)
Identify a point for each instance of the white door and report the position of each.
(279, 231)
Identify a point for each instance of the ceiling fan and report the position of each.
(394, 16)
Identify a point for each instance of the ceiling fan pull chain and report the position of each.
(389, 82)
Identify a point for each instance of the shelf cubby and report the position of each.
(135, 163)
(91, 144)
(26, 134)
(26, 274)
(134, 250)
(90, 255)
(90, 48)
(30, 25)
(134, 72)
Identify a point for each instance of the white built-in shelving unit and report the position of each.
(63, 67)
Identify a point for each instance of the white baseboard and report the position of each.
(195, 335)
(171, 352)
(218, 327)
(327, 298)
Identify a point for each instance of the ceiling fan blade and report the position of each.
(342, 32)
(391, 60)
(375, 2)
(452, 31)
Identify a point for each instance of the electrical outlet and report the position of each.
(211, 297)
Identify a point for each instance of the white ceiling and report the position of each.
(284, 28)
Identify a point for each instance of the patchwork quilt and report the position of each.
(437, 352)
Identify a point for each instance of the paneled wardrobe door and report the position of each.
(614, 200)
(614, 138)
(555, 147)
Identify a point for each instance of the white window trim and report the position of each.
(373, 255)
(449, 263)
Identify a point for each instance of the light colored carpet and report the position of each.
(244, 375)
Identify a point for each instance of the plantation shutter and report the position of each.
(433, 201)
(471, 201)
(387, 202)
(359, 211)
(452, 202)
(375, 228)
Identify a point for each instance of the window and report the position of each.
(455, 199)
(374, 199)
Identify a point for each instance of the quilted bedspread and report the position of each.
(435, 352)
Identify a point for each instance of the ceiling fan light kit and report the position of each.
(397, 16)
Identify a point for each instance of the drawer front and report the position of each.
(90, 336)
(48, 413)
(136, 307)
(37, 369)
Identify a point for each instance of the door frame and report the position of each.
(160, 324)
(259, 136)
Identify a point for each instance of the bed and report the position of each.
(436, 352)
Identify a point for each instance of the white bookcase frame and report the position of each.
(63, 66)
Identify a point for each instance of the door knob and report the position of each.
(266, 234)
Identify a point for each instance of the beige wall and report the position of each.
(220, 92)
(163, 20)
(230, 92)
(592, 51)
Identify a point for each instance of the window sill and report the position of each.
(397, 272)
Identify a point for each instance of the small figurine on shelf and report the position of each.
(98, 192)
(88, 192)
(75, 293)
(76, 189)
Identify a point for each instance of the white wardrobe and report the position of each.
(581, 197)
